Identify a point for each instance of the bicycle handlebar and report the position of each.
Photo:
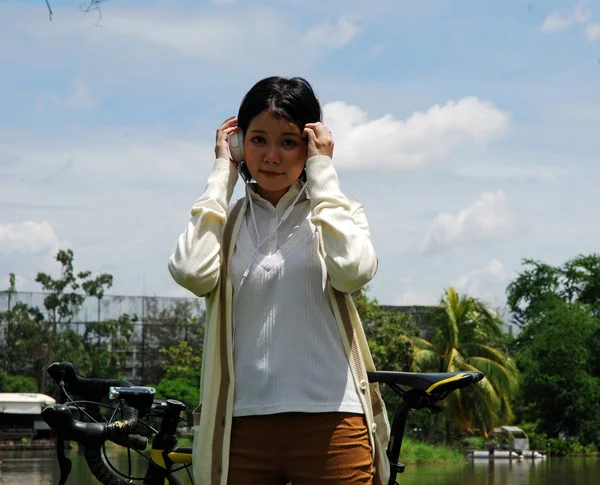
(89, 388)
(60, 418)
(93, 435)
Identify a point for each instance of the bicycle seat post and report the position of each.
(396, 437)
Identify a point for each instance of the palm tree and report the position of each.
(460, 341)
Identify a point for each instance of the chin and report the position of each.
(272, 187)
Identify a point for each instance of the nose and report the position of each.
(272, 153)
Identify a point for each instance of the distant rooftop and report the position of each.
(24, 403)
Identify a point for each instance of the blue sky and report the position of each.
(469, 130)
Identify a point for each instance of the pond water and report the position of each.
(41, 468)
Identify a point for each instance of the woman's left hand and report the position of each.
(320, 141)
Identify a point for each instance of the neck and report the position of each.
(272, 196)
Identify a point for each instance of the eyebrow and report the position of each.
(287, 133)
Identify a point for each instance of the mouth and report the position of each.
(268, 173)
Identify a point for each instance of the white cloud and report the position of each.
(81, 97)
(334, 36)
(509, 172)
(485, 283)
(390, 143)
(488, 217)
(79, 159)
(592, 32)
(28, 237)
(258, 37)
(563, 19)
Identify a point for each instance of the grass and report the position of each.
(413, 452)
(420, 453)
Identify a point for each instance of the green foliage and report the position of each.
(540, 285)
(461, 339)
(537, 440)
(181, 381)
(16, 383)
(12, 283)
(36, 337)
(560, 386)
(106, 342)
(25, 346)
(416, 452)
(473, 442)
(576, 448)
(388, 333)
(558, 447)
(165, 328)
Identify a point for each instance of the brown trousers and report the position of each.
(301, 448)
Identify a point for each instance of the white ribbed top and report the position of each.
(288, 355)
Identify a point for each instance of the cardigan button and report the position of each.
(363, 385)
(374, 427)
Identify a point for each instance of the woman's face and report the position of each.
(275, 154)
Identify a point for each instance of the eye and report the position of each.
(289, 143)
(258, 140)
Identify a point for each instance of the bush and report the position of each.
(558, 447)
(537, 440)
(17, 383)
(473, 442)
(576, 448)
(418, 452)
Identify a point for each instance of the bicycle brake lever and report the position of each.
(64, 463)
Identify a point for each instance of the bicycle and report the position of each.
(136, 404)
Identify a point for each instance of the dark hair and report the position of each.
(292, 99)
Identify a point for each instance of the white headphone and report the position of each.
(236, 145)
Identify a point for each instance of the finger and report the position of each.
(309, 133)
(223, 133)
(321, 130)
(229, 122)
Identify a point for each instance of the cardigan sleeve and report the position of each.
(195, 263)
(350, 258)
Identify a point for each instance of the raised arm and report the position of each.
(349, 254)
(195, 263)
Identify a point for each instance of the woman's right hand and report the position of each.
(228, 127)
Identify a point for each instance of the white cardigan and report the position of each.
(200, 263)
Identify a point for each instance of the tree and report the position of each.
(106, 342)
(388, 333)
(540, 284)
(463, 339)
(26, 339)
(64, 299)
(558, 358)
(16, 383)
(165, 328)
(34, 338)
(88, 6)
(181, 380)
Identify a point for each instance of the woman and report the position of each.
(284, 391)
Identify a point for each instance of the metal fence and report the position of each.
(156, 321)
